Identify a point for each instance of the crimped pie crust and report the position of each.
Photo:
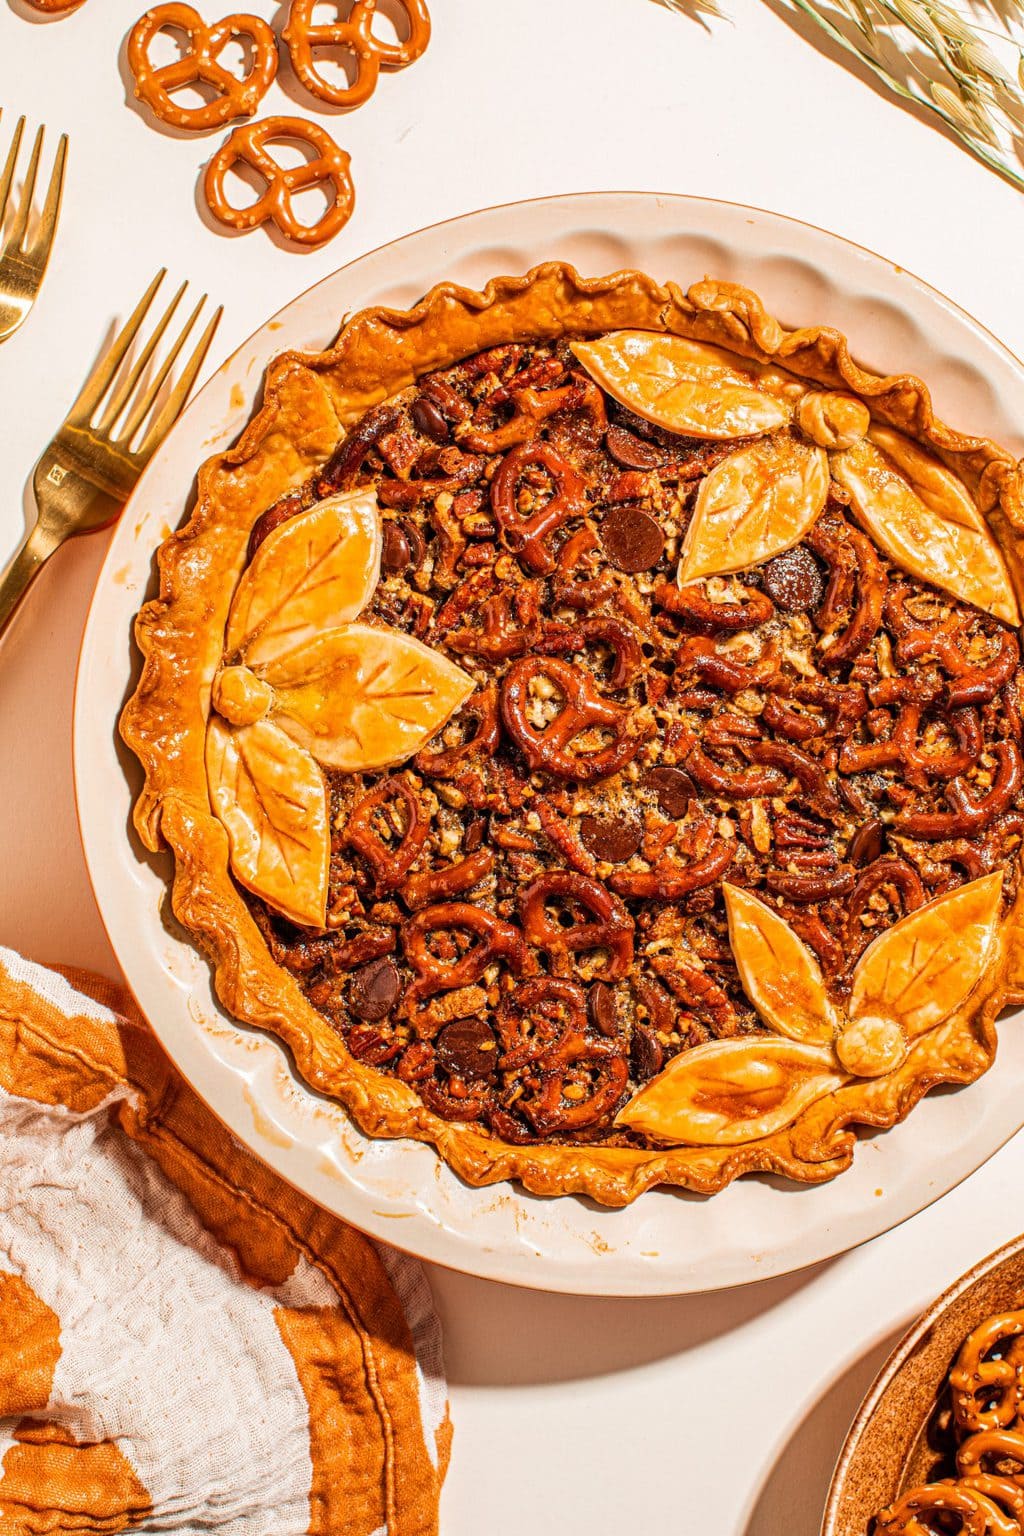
(309, 402)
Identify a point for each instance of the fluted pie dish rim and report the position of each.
(165, 723)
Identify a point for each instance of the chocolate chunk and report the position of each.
(793, 580)
(867, 842)
(601, 1008)
(375, 988)
(426, 418)
(610, 839)
(467, 1048)
(631, 538)
(632, 452)
(397, 551)
(674, 790)
(646, 1053)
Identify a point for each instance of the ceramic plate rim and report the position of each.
(224, 1062)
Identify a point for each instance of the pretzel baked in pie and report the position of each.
(586, 718)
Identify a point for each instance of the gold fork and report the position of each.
(22, 264)
(90, 468)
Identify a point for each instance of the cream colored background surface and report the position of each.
(720, 1414)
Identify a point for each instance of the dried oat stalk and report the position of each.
(944, 59)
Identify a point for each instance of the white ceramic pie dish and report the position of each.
(667, 1242)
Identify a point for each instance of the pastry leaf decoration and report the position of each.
(949, 950)
(924, 519)
(908, 981)
(315, 571)
(361, 697)
(686, 386)
(303, 685)
(759, 501)
(779, 973)
(269, 796)
(730, 1094)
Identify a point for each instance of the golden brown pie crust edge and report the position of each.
(307, 401)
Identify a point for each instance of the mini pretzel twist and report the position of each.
(491, 939)
(1003, 1447)
(303, 37)
(606, 925)
(247, 146)
(919, 1510)
(550, 746)
(445, 762)
(389, 856)
(235, 97)
(575, 1080)
(531, 408)
(988, 1392)
(526, 533)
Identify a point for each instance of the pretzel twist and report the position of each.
(550, 746)
(916, 1513)
(978, 1380)
(491, 939)
(606, 925)
(389, 857)
(199, 65)
(1000, 1446)
(248, 146)
(526, 533)
(304, 37)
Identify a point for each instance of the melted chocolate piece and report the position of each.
(674, 790)
(601, 1008)
(467, 1048)
(631, 538)
(375, 988)
(610, 839)
(793, 580)
(646, 1053)
(426, 418)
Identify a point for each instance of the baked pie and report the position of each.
(586, 718)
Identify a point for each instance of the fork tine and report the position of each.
(174, 404)
(98, 382)
(144, 404)
(40, 248)
(7, 176)
(124, 391)
(19, 227)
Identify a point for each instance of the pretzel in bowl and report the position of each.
(233, 97)
(247, 146)
(986, 1498)
(356, 37)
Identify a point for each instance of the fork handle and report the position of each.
(35, 550)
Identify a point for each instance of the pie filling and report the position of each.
(526, 920)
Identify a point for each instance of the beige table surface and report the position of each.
(718, 1414)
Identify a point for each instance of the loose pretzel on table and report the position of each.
(303, 37)
(236, 97)
(247, 146)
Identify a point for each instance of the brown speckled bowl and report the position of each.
(888, 1449)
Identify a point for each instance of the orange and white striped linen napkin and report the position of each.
(187, 1343)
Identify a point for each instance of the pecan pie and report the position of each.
(587, 721)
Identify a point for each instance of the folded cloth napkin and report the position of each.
(185, 1341)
